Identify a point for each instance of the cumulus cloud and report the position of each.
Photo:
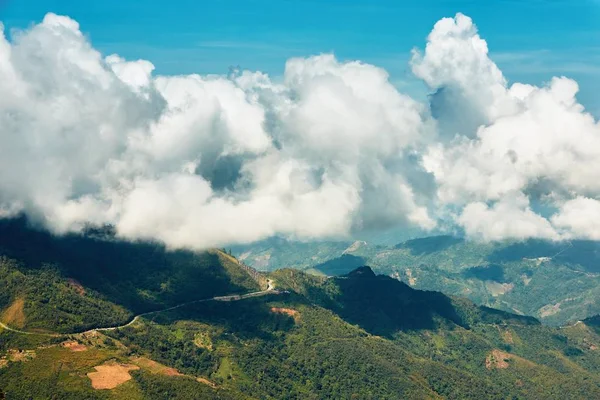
(199, 161)
(331, 148)
(508, 218)
(531, 145)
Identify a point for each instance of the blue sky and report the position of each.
(531, 40)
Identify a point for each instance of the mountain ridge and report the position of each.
(361, 335)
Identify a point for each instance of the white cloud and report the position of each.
(534, 144)
(579, 218)
(508, 218)
(199, 161)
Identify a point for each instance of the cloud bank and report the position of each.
(331, 148)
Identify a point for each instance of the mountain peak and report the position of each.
(362, 272)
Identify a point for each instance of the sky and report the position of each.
(209, 124)
(531, 40)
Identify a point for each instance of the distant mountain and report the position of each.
(559, 283)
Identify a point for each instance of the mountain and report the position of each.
(276, 253)
(210, 328)
(74, 282)
(556, 282)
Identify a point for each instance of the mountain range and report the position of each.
(89, 316)
(556, 282)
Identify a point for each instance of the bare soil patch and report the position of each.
(77, 286)
(497, 360)
(287, 311)
(14, 314)
(111, 375)
(549, 310)
(155, 367)
(207, 382)
(412, 281)
(73, 345)
(498, 289)
(15, 355)
(203, 340)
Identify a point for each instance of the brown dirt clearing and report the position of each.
(207, 382)
(15, 355)
(287, 311)
(77, 286)
(73, 345)
(155, 367)
(109, 376)
(14, 314)
(497, 360)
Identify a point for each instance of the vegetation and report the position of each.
(558, 283)
(356, 336)
(74, 283)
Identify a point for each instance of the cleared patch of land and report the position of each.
(155, 367)
(549, 310)
(203, 340)
(77, 286)
(497, 360)
(73, 345)
(508, 337)
(111, 375)
(16, 355)
(14, 314)
(498, 289)
(287, 311)
(207, 382)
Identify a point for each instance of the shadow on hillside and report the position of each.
(139, 276)
(245, 319)
(383, 306)
(492, 272)
(429, 245)
(528, 249)
(340, 265)
(584, 253)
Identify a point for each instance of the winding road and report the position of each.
(234, 297)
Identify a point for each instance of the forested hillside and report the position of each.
(77, 282)
(556, 282)
(357, 336)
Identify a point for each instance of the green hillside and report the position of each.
(558, 283)
(356, 336)
(74, 283)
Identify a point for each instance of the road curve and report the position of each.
(8, 328)
(233, 297)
